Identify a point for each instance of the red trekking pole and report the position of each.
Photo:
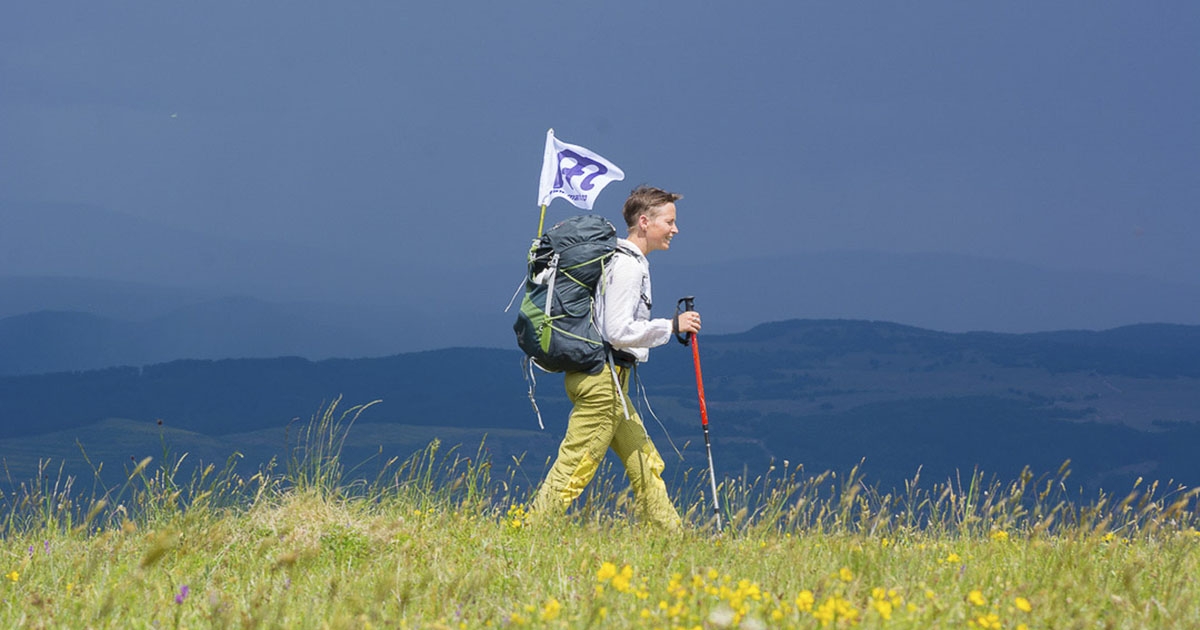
(688, 304)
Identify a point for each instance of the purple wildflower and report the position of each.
(183, 593)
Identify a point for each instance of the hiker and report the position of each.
(599, 420)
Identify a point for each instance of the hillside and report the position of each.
(55, 341)
(825, 393)
(206, 297)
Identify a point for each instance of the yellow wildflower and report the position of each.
(13, 575)
(804, 601)
(835, 609)
(621, 580)
(1023, 604)
(976, 597)
(845, 575)
(516, 516)
(952, 558)
(999, 535)
(606, 572)
(746, 588)
(990, 621)
(551, 610)
(884, 607)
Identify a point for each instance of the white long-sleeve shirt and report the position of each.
(623, 307)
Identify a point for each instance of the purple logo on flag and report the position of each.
(578, 169)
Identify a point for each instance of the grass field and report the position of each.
(441, 540)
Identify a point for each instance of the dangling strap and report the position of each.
(514, 297)
(531, 379)
(641, 388)
(612, 367)
(530, 257)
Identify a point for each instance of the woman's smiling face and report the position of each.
(659, 226)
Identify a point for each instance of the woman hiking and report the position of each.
(600, 420)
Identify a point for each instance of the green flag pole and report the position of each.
(542, 221)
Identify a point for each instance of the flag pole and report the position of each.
(542, 221)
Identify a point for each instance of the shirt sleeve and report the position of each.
(623, 328)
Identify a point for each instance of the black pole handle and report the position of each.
(684, 305)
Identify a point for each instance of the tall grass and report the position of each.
(440, 539)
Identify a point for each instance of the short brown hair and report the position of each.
(644, 199)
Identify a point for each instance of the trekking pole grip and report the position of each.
(684, 305)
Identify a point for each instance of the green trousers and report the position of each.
(598, 423)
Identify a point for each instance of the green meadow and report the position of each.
(442, 540)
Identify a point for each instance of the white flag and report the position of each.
(574, 173)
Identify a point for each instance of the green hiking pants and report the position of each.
(598, 422)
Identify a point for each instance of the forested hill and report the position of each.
(828, 393)
(1144, 350)
(453, 387)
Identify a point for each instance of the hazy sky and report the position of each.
(1062, 134)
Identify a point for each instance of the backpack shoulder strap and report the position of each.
(625, 250)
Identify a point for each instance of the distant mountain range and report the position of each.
(51, 341)
(140, 293)
(944, 292)
(1119, 404)
(55, 324)
(228, 341)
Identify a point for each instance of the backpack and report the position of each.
(555, 326)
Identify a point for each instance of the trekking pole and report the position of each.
(688, 304)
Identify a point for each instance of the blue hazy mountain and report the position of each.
(1119, 403)
(52, 341)
(937, 291)
(133, 270)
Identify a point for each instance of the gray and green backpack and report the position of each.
(556, 327)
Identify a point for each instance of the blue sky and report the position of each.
(1061, 135)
